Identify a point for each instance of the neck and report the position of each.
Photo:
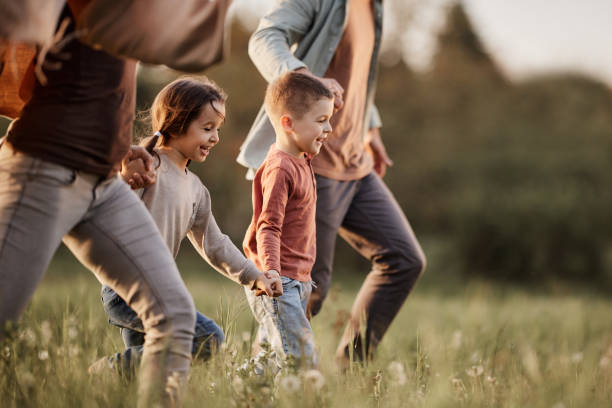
(286, 146)
(175, 156)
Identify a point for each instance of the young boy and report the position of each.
(281, 237)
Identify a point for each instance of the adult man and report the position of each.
(58, 167)
(338, 41)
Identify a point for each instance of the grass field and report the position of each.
(454, 344)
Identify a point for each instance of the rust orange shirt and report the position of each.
(282, 232)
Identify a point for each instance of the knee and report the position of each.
(181, 316)
(406, 266)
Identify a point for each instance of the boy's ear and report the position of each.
(286, 123)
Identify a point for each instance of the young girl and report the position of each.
(186, 117)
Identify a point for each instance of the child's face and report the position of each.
(202, 134)
(310, 131)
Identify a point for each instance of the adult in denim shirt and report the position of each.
(338, 41)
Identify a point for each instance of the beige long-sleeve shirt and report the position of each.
(181, 207)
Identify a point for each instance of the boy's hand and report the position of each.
(269, 283)
(137, 168)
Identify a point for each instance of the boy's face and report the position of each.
(310, 131)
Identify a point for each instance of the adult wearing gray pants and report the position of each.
(58, 180)
(338, 41)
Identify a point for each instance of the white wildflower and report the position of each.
(491, 380)
(29, 336)
(6, 352)
(475, 371)
(72, 332)
(43, 355)
(397, 374)
(314, 379)
(290, 383)
(577, 357)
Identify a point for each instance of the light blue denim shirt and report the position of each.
(295, 34)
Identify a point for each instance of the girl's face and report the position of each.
(202, 134)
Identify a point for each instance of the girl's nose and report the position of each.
(214, 138)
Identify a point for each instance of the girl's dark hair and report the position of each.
(179, 104)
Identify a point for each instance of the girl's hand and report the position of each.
(269, 283)
(137, 168)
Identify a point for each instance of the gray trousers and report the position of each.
(365, 214)
(111, 232)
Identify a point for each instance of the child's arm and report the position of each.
(221, 253)
(275, 190)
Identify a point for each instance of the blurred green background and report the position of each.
(502, 181)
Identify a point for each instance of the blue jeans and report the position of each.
(207, 338)
(283, 322)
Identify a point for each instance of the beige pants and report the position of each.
(111, 232)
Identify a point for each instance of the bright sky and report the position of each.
(525, 37)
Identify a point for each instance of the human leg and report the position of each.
(39, 203)
(283, 320)
(119, 242)
(376, 227)
(333, 200)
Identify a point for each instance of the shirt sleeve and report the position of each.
(217, 248)
(276, 187)
(286, 24)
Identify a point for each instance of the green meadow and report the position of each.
(456, 343)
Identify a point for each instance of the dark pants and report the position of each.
(207, 339)
(366, 215)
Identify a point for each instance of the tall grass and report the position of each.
(475, 345)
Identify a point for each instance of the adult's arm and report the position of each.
(285, 25)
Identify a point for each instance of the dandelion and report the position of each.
(456, 340)
(43, 355)
(290, 383)
(577, 357)
(314, 379)
(29, 336)
(46, 332)
(397, 374)
(475, 371)
(72, 332)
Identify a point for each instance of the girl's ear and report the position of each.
(286, 123)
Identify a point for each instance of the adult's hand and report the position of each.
(379, 153)
(334, 87)
(137, 168)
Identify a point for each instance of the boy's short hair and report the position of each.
(294, 93)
